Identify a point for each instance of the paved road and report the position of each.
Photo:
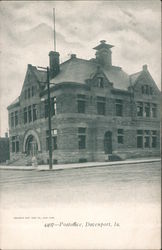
(133, 183)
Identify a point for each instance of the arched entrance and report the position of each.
(108, 142)
(31, 143)
(31, 146)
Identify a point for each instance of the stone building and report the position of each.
(98, 111)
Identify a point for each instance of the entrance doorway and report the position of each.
(31, 147)
(108, 142)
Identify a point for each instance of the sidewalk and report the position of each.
(80, 165)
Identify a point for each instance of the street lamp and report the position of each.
(49, 116)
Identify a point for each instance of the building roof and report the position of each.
(78, 70)
(16, 101)
(41, 75)
(103, 45)
(134, 77)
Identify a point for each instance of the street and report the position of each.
(125, 198)
(122, 183)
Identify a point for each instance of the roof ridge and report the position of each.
(136, 73)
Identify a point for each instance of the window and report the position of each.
(101, 105)
(12, 119)
(25, 115)
(54, 142)
(139, 109)
(53, 107)
(143, 89)
(33, 90)
(29, 114)
(151, 91)
(81, 106)
(146, 138)
(120, 136)
(146, 89)
(81, 103)
(16, 118)
(119, 107)
(154, 110)
(147, 110)
(34, 112)
(82, 138)
(139, 138)
(15, 144)
(28, 92)
(154, 139)
(100, 82)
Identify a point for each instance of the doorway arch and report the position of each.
(31, 143)
(108, 142)
(31, 146)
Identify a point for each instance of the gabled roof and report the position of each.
(78, 70)
(40, 74)
(14, 103)
(134, 77)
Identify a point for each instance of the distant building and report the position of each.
(4, 148)
(98, 111)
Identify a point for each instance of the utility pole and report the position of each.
(49, 120)
(49, 116)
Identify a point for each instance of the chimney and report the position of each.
(144, 67)
(73, 56)
(54, 63)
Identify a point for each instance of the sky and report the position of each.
(26, 30)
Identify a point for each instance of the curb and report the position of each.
(59, 168)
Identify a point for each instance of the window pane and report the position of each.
(81, 130)
(28, 92)
(25, 115)
(101, 108)
(120, 131)
(34, 112)
(29, 114)
(139, 109)
(79, 96)
(81, 106)
(139, 142)
(154, 142)
(17, 146)
(16, 118)
(147, 142)
(120, 139)
(139, 132)
(54, 142)
(82, 139)
(100, 82)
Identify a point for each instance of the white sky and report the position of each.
(133, 27)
